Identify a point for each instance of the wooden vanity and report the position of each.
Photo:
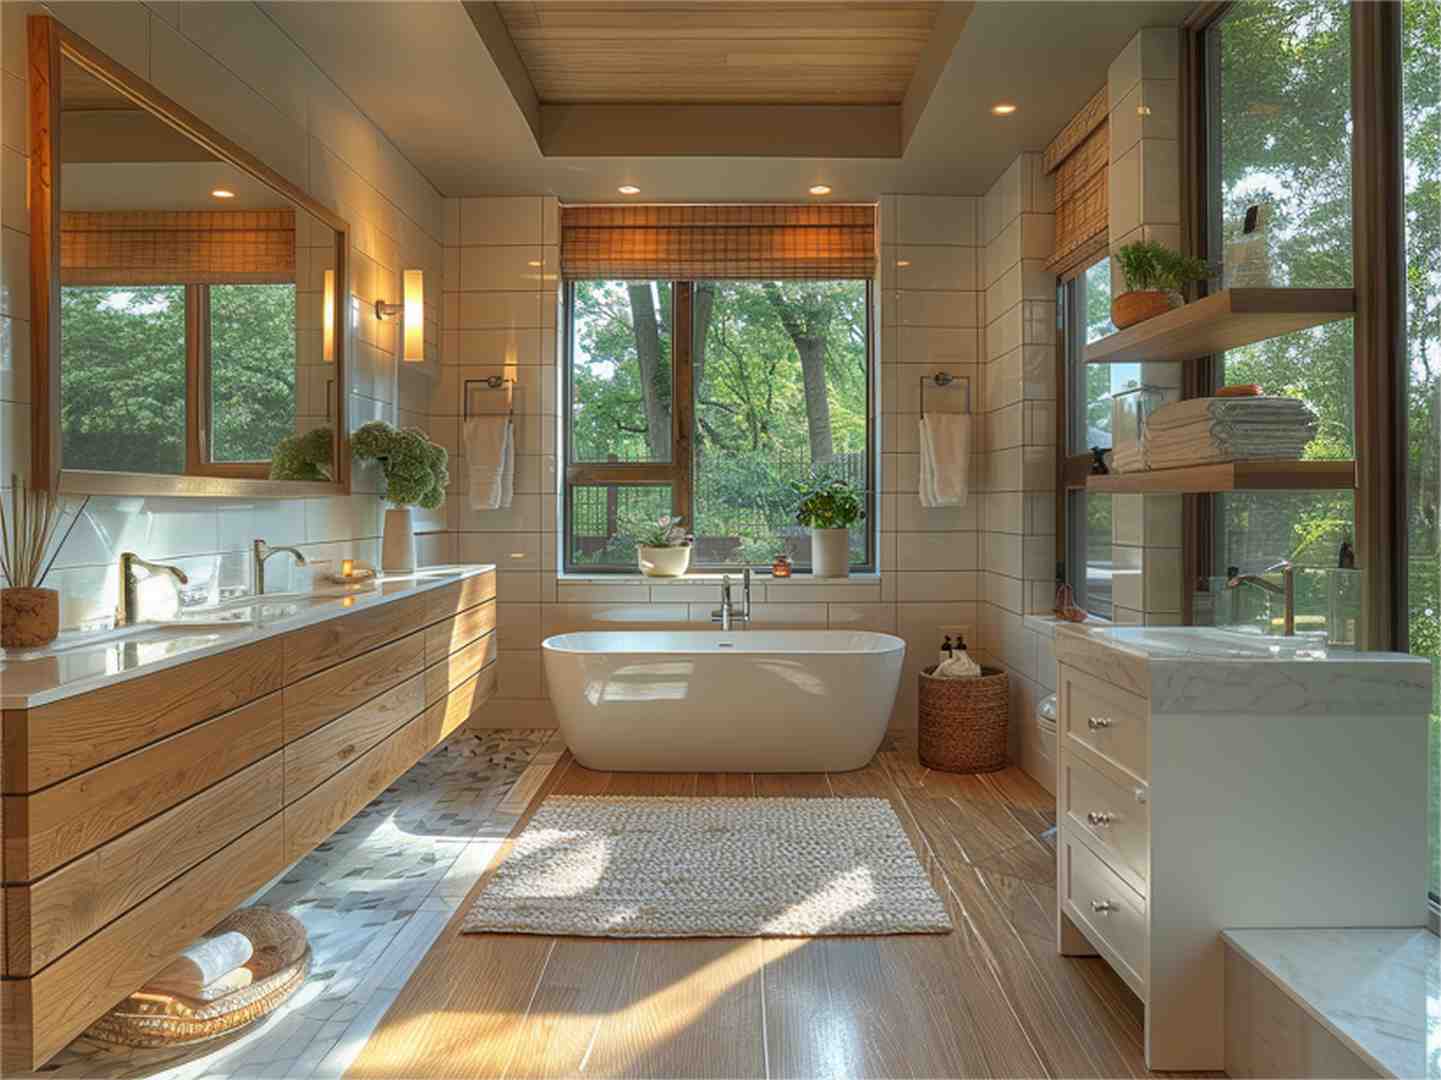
(136, 815)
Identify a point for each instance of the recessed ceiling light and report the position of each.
(222, 193)
(1003, 108)
(903, 263)
(628, 189)
(820, 189)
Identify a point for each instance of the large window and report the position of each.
(709, 399)
(177, 379)
(1280, 90)
(1421, 113)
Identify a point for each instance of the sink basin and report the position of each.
(1206, 641)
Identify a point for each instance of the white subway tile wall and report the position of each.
(236, 70)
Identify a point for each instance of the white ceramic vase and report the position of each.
(663, 561)
(397, 545)
(830, 553)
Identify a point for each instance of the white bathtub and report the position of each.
(706, 701)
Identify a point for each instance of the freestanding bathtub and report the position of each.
(706, 701)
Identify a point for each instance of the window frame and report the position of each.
(679, 471)
(199, 410)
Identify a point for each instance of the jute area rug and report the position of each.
(641, 867)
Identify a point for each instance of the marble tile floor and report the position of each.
(373, 898)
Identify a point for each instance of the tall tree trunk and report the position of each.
(647, 348)
(811, 345)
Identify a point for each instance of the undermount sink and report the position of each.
(1208, 641)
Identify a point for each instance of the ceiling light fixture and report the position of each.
(222, 193)
(1003, 108)
(628, 189)
(903, 263)
(820, 189)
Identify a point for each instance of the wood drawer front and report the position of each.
(1117, 816)
(324, 752)
(458, 631)
(319, 699)
(65, 820)
(445, 602)
(51, 915)
(329, 643)
(312, 818)
(461, 703)
(65, 998)
(1106, 720)
(445, 676)
(1112, 913)
(45, 745)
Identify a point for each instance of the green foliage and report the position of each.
(827, 503)
(303, 457)
(414, 467)
(1147, 265)
(664, 531)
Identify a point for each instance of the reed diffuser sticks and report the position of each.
(26, 533)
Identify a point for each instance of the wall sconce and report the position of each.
(413, 311)
(327, 318)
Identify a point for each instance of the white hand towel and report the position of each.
(945, 459)
(507, 469)
(488, 459)
(205, 962)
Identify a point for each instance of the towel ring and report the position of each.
(943, 380)
(494, 382)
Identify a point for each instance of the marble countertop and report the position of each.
(1378, 991)
(1202, 670)
(78, 662)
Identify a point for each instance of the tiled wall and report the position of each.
(234, 68)
(1145, 203)
(500, 316)
(1018, 544)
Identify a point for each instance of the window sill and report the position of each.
(872, 580)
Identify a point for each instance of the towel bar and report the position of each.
(942, 380)
(494, 382)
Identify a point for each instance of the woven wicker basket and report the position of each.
(965, 723)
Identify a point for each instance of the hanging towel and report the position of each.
(207, 961)
(490, 461)
(945, 444)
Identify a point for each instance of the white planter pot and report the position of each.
(663, 561)
(830, 553)
(397, 545)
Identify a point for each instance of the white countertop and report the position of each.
(1199, 669)
(1378, 991)
(79, 662)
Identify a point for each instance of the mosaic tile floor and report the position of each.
(373, 898)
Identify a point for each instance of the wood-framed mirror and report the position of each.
(187, 301)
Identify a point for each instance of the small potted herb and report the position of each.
(1155, 276)
(416, 474)
(662, 547)
(829, 507)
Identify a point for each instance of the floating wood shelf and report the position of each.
(1224, 320)
(1232, 476)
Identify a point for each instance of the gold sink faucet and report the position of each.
(1286, 590)
(129, 609)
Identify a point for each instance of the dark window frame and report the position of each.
(679, 471)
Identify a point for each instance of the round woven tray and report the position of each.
(160, 1020)
(965, 723)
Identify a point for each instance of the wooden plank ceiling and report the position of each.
(726, 51)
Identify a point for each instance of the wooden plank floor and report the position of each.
(991, 999)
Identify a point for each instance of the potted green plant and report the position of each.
(415, 475)
(302, 456)
(829, 507)
(662, 547)
(1155, 276)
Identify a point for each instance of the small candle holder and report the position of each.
(781, 568)
(347, 567)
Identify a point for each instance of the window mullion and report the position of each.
(682, 405)
(196, 422)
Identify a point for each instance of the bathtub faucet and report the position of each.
(727, 614)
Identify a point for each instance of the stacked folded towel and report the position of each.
(1209, 430)
(209, 969)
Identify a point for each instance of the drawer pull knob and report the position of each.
(1100, 818)
(1098, 723)
(1104, 907)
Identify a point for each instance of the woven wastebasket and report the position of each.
(965, 723)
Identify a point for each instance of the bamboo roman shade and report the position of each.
(687, 243)
(191, 247)
(1079, 156)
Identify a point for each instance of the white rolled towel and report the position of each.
(207, 961)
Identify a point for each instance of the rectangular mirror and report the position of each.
(187, 327)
